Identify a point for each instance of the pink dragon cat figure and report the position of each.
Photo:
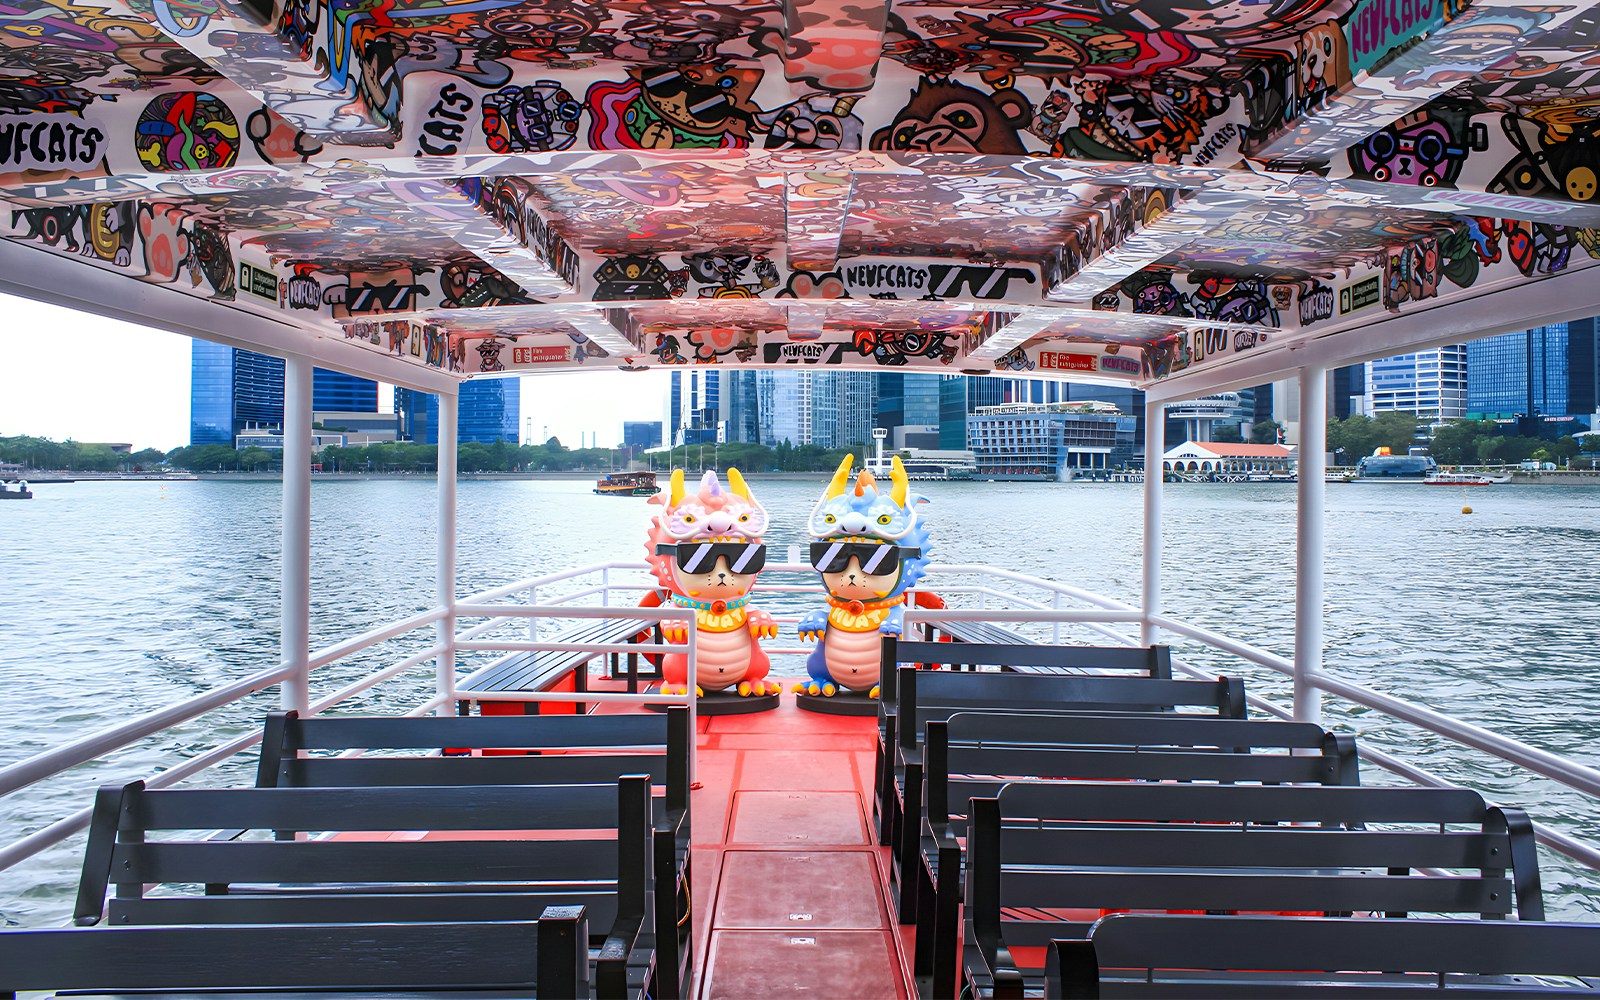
(705, 548)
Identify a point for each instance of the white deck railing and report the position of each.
(1001, 595)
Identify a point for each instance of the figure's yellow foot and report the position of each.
(744, 689)
(829, 690)
(876, 690)
(798, 688)
(811, 688)
(672, 689)
(699, 692)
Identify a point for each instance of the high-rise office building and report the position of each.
(959, 397)
(1347, 390)
(706, 406)
(908, 408)
(1545, 375)
(231, 390)
(489, 410)
(822, 408)
(1431, 384)
(641, 434)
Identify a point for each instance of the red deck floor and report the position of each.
(788, 887)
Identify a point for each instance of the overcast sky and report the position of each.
(71, 375)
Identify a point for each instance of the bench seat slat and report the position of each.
(1212, 803)
(474, 807)
(1188, 731)
(497, 731)
(1120, 846)
(299, 862)
(462, 771)
(1173, 890)
(359, 907)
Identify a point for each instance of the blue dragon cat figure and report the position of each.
(870, 548)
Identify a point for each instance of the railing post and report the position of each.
(295, 639)
(692, 687)
(533, 620)
(1311, 492)
(605, 585)
(1155, 450)
(1055, 629)
(445, 567)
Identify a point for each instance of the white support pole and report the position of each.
(445, 569)
(296, 592)
(1155, 449)
(1312, 491)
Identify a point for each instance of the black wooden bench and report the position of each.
(1147, 955)
(543, 671)
(546, 958)
(553, 749)
(1153, 661)
(974, 755)
(547, 845)
(1040, 848)
(981, 632)
(920, 696)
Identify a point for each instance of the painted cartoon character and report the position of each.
(705, 549)
(870, 549)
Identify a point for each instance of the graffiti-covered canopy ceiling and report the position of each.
(1116, 189)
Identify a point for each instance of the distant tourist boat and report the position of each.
(627, 484)
(15, 491)
(1383, 467)
(1463, 479)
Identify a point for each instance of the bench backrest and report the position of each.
(1147, 661)
(1058, 845)
(547, 958)
(972, 756)
(1300, 956)
(522, 848)
(933, 695)
(566, 749)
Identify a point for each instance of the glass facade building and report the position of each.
(1523, 373)
(641, 434)
(231, 389)
(707, 406)
(489, 411)
(822, 408)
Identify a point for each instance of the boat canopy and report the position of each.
(1138, 192)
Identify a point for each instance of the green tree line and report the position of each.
(1455, 442)
(403, 456)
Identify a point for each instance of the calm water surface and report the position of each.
(122, 597)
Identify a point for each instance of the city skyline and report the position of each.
(132, 385)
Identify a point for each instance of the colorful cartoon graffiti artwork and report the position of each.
(187, 131)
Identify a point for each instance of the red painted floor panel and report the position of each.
(823, 890)
(809, 769)
(834, 965)
(797, 819)
(789, 895)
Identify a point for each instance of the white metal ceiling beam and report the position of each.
(42, 276)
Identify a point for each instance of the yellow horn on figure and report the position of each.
(675, 488)
(902, 483)
(736, 485)
(840, 478)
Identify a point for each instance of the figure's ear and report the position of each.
(841, 476)
(902, 482)
(1014, 107)
(675, 488)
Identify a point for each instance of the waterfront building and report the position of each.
(641, 434)
(1049, 441)
(1197, 419)
(1545, 377)
(960, 396)
(1431, 384)
(712, 406)
(489, 411)
(908, 408)
(231, 390)
(802, 406)
(1210, 457)
(1347, 391)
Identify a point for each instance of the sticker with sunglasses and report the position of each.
(875, 558)
(701, 557)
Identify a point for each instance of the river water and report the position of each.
(121, 597)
